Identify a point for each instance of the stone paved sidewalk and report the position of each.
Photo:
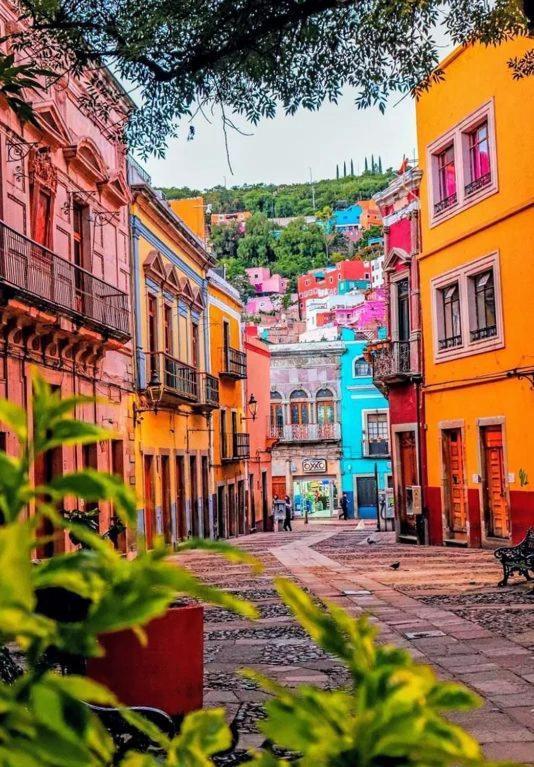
(441, 604)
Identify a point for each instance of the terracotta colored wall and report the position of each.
(191, 211)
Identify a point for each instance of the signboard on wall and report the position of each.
(314, 465)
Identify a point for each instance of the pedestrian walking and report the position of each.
(287, 518)
(344, 505)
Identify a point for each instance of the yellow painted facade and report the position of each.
(173, 474)
(230, 437)
(479, 401)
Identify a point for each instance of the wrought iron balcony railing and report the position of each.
(234, 363)
(209, 391)
(445, 204)
(393, 360)
(490, 331)
(451, 342)
(375, 448)
(477, 183)
(306, 432)
(179, 381)
(46, 279)
(235, 447)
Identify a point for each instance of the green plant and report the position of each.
(391, 713)
(44, 719)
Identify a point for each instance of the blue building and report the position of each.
(365, 464)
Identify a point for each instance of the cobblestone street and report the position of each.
(442, 604)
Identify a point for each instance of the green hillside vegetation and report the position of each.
(281, 200)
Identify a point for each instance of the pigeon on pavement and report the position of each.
(395, 565)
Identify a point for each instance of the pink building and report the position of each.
(367, 316)
(65, 272)
(261, 305)
(264, 282)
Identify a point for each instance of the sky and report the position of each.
(283, 150)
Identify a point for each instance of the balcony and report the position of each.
(477, 184)
(375, 448)
(235, 447)
(45, 279)
(209, 391)
(234, 363)
(179, 381)
(395, 361)
(448, 202)
(309, 432)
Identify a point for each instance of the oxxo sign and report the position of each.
(314, 465)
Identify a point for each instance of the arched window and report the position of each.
(361, 367)
(325, 406)
(299, 408)
(277, 411)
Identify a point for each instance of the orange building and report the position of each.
(230, 440)
(191, 211)
(259, 466)
(476, 151)
(370, 215)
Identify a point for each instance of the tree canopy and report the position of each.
(286, 200)
(251, 57)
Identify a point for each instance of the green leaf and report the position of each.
(15, 418)
(71, 432)
(93, 485)
(203, 733)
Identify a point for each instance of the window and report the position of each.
(43, 217)
(479, 159)
(484, 306)
(463, 164)
(467, 309)
(403, 309)
(277, 415)
(446, 179)
(377, 434)
(299, 409)
(194, 345)
(361, 368)
(325, 406)
(152, 333)
(168, 334)
(451, 328)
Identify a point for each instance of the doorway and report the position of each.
(150, 503)
(454, 481)
(407, 451)
(231, 511)
(252, 500)
(205, 499)
(241, 506)
(194, 495)
(221, 527)
(264, 501)
(166, 498)
(496, 512)
(314, 497)
(366, 497)
(180, 498)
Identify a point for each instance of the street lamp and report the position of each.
(153, 394)
(252, 407)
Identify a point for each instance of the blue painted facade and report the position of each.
(346, 286)
(347, 217)
(359, 400)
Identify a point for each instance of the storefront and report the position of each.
(316, 496)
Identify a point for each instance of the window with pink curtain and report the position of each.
(479, 159)
(446, 173)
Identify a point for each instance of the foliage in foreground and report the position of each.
(390, 715)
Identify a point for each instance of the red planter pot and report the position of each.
(167, 673)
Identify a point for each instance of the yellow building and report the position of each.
(230, 437)
(176, 395)
(476, 150)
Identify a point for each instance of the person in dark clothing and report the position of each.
(287, 518)
(344, 505)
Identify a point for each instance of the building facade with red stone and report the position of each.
(64, 270)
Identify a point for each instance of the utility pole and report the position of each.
(312, 189)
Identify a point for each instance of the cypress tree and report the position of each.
(373, 163)
(351, 167)
(379, 164)
(344, 168)
(337, 171)
(366, 166)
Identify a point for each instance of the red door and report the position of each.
(495, 501)
(279, 487)
(180, 497)
(408, 477)
(455, 481)
(150, 503)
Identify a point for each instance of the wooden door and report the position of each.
(205, 498)
(252, 500)
(150, 503)
(264, 501)
(495, 500)
(180, 498)
(455, 480)
(166, 498)
(408, 477)
(221, 526)
(279, 487)
(231, 511)
(194, 495)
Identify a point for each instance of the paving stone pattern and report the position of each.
(464, 626)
